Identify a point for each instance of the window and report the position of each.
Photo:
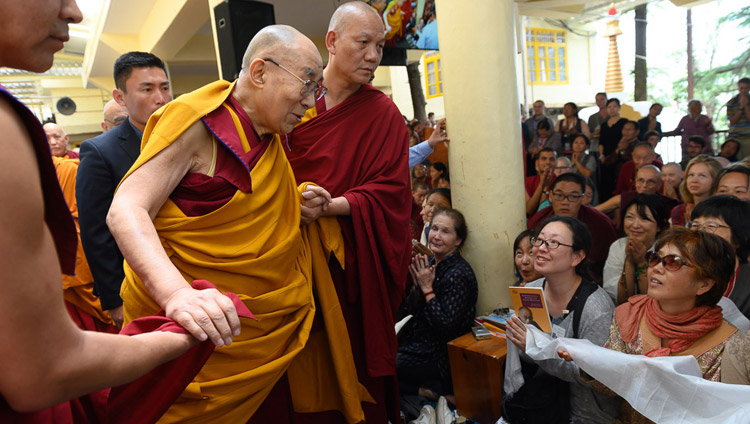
(433, 75)
(547, 56)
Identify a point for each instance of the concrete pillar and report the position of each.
(478, 61)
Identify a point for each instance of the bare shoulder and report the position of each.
(31, 298)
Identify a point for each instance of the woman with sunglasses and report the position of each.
(625, 270)
(727, 217)
(560, 253)
(687, 274)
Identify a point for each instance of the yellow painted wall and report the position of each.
(583, 79)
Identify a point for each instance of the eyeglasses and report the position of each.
(708, 226)
(551, 244)
(310, 87)
(669, 262)
(645, 181)
(571, 197)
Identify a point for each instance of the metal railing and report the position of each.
(670, 147)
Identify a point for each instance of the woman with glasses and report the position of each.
(698, 185)
(560, 253)
(625, 270)
(727, 217)
(687, 274)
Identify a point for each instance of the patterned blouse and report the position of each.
(445, 317)
(709, 362)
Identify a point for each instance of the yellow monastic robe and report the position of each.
(78, 289)
(251, 246)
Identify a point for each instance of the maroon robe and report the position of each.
(359, 150)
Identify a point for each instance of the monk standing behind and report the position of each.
(78, 290)
(354, 143)
(212, 197)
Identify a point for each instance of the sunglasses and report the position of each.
(669, 262)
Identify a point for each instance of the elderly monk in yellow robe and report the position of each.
(212, 196)
(78, 290)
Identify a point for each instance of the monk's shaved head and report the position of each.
(354, 9)
(273, 40)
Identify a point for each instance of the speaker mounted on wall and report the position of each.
(236, 23)
(66, 106)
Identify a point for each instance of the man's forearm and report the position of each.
(139, 243)
(338, 206)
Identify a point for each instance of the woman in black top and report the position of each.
(611, 129)
(443, 303)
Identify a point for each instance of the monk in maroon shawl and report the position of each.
(354, 144)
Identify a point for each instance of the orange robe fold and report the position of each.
(78, 289)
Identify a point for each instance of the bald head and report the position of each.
(276, 42)
(354, 11)
(57, 139)
(114, 115)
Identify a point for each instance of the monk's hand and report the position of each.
(316, 201)
(206, 314)
(515, 331)
(440, 135)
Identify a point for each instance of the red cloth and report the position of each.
(142, 401)
(681, 330)
(602, 235)
(532, 182)
(681, 214)
(84, 321)
(359, 150)
(626, 178)
(198, 194)
(71, 154)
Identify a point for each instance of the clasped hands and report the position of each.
(422, 272)
(316, 201)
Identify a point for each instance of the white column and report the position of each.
(478, 62)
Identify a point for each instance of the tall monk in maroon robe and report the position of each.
(354, 144)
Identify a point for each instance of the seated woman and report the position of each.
(523, 259)
(582, 161)
(727, 217)
(687, 274)
(443, 303)
(560, 251)
(437, 198)
(625, 270)
(700, 174)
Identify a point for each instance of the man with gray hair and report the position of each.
(58, 141)
(212, 197)
(114, 115)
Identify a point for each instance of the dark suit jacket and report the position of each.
(105, 160)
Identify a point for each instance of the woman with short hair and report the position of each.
(443, 303)
(644, 217)
(523, 259)
(727, 217)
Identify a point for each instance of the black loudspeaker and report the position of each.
(237, 22)
(66, 106)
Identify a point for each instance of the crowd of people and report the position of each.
(236, 237)
(600, 204)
